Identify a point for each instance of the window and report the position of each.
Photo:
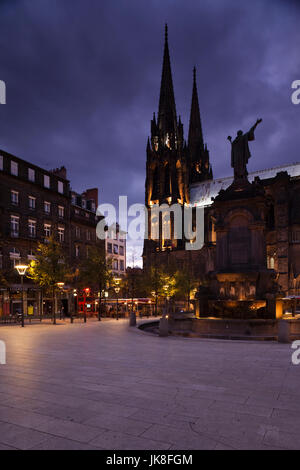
(1, 162)
(77, 251)
(14, 197)
(31, 202)
(115, 264)
(270, 262)
(31, 174)
(116, 249)
(32, 228)
(14, 168)
(121, 250)
(61, 234)
(109, 248)
(31, 255)
(47, 230)
(61, 212)
(83, 203)
(14, 225)
(88, 235)
(60, 187)
(121, 265)
(47, 207)
(77, 232)
(14, 255)
(47, 181)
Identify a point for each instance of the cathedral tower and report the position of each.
(199, 166)
(171, 164)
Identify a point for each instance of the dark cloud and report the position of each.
(83, 81)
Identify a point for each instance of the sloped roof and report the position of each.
(201, 194)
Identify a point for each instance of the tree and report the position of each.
(185, 284)
(49, 268)
(160, 283)
(96, 271)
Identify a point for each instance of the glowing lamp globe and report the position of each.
(21, 268)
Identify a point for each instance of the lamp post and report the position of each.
(86, 294)
(22, 268)
(105, 298)
(75, 305)
(117, 289)
(60, 285)
(166, 289)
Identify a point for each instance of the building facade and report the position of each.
(115, 249)
(34, 205)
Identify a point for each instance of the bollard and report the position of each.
(132, 319)
(164, 326)
(284, 327)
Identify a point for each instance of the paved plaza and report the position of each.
(105, 386)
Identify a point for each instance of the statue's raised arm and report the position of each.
(255, 125)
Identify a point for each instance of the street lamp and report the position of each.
(22, 268)
(166, 289)
(60, 285)
(117, 289)
(87, 293)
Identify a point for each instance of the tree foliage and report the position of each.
(95, 271)
(49, 267)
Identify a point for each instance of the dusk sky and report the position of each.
(83, 79)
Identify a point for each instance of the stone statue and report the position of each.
(240, 152)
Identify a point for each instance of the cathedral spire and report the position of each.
(167, 121)
(195, 130)
(200, 168)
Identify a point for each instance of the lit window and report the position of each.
(14, 168)
(47, 230)
(47, 207)
(31, 174)
(31, 202)
(77, 232)
(60, 187)
(14, 197)
(47, 181)
(31, 255)
(15, 256)
(270, 262)
(77, 251)
(115, 264)
(61, 234)
(14, 225)
(61, 211)
(32, 228)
